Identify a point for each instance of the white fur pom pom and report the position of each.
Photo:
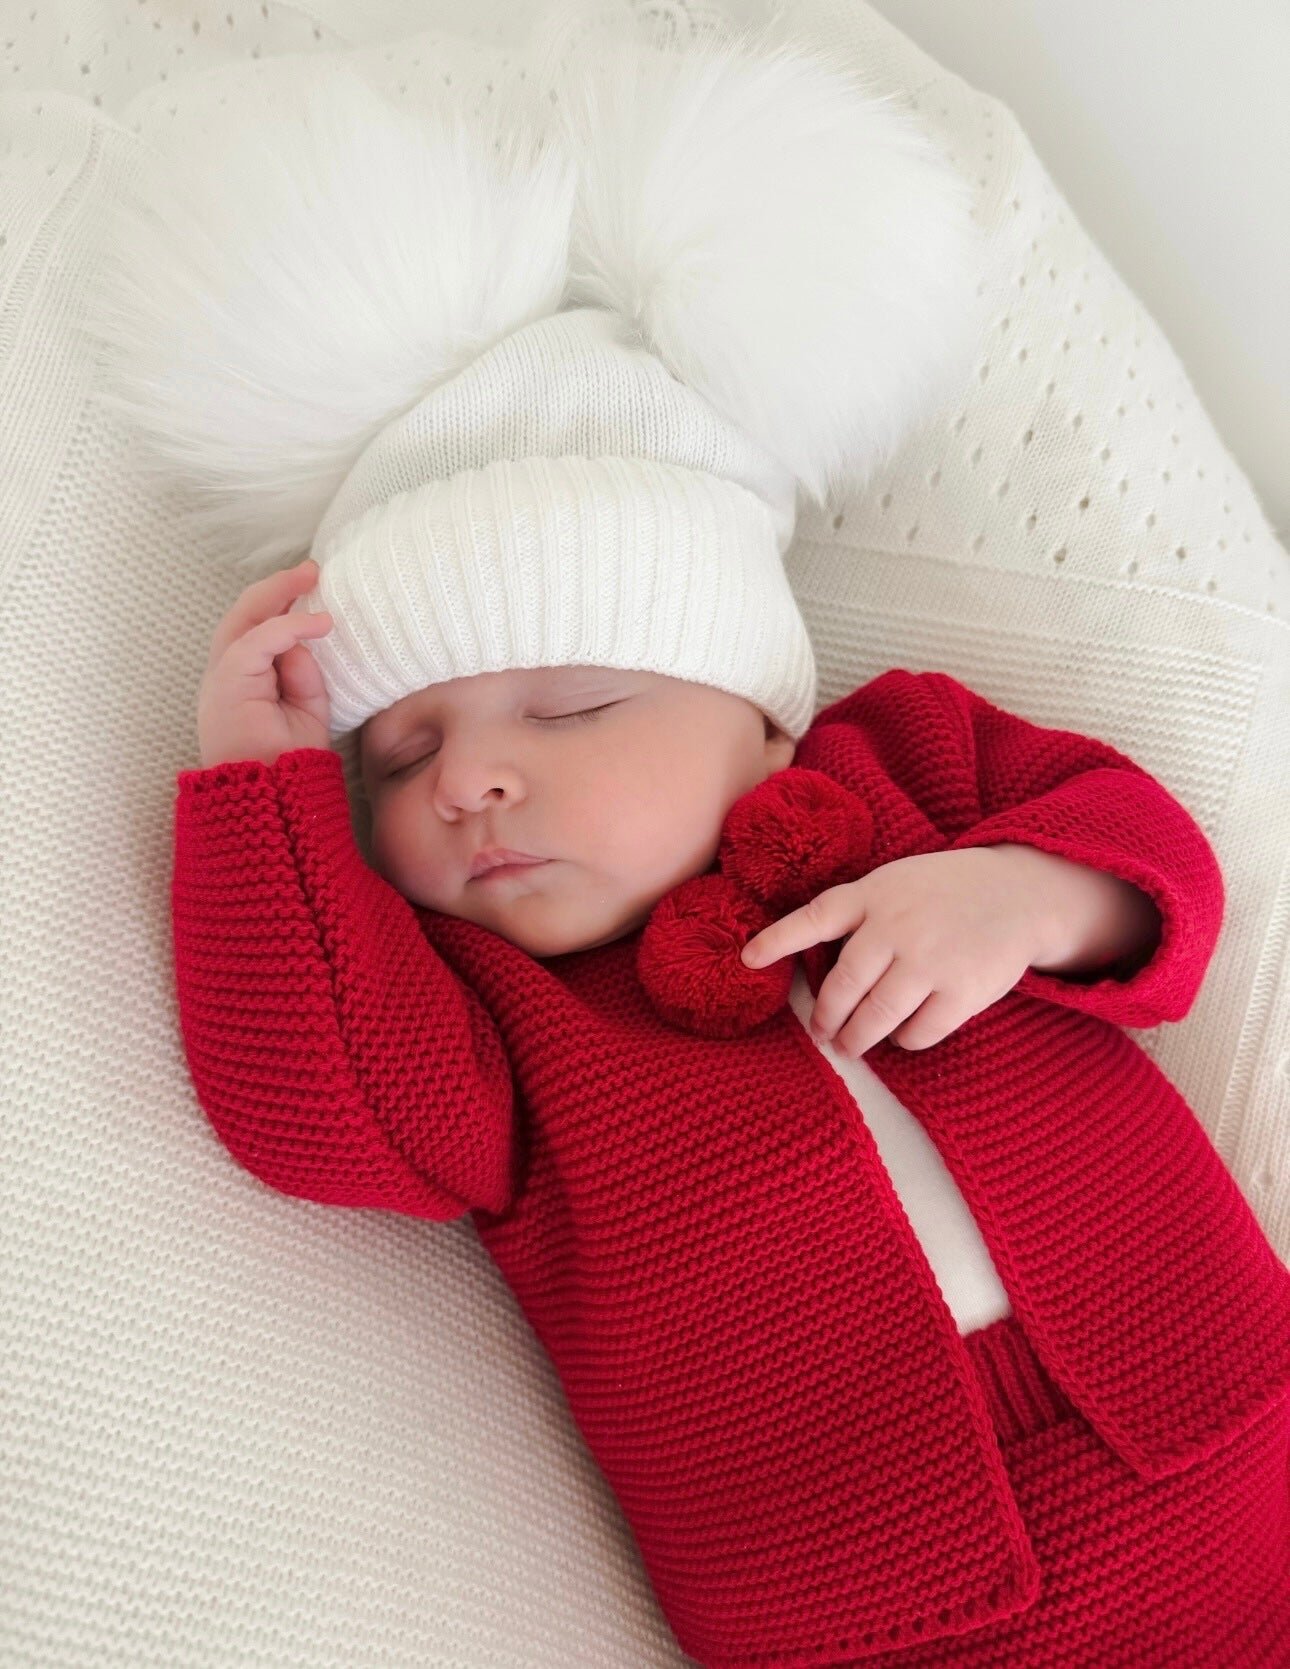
(289, 275)
(793, 248)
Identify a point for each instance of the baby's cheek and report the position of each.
(394, 850)
(597, 815)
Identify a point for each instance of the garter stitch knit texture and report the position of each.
(817, 1467)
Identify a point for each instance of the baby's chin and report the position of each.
(564, 942)
(546, 928)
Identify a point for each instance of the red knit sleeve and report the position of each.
(1079, 798)
(336, 1055)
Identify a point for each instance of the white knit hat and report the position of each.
(538, 383)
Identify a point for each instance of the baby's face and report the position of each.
(623, 805)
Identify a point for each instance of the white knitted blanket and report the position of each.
(241, 1429)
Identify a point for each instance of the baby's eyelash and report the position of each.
(587, 713)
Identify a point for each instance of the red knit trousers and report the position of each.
(1186, 1572)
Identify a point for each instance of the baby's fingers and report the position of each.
(250, 660)
(864, 963)
(948, 1008)
(830, 915)
(265, 599)
(897, 998)
(935, 1018)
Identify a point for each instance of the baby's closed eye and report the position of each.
(584, 715)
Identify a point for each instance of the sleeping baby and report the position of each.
(777, 1055)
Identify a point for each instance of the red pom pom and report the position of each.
(688, 959)
(793, 835)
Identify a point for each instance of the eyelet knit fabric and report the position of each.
(817, 1467)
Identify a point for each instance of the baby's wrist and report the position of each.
(1085, 919)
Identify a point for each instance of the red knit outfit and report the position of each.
(818, 1469)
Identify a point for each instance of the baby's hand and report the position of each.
(262, 693)
(934, 939)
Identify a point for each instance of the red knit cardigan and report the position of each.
(684, 1198)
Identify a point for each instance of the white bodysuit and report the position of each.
(937, 1211)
